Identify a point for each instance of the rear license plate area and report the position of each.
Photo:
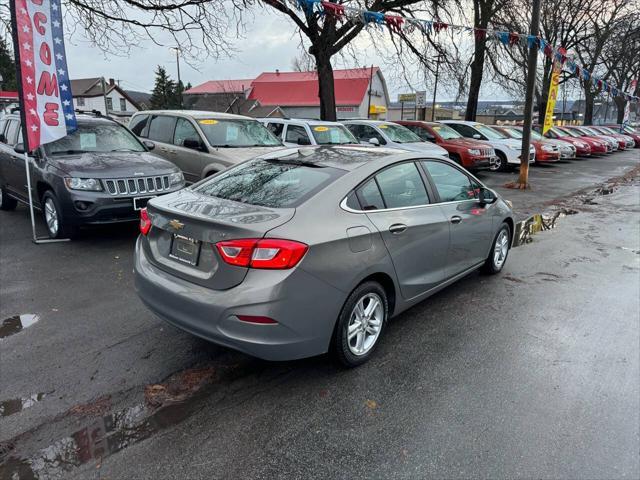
(140, 202)
(185, 249)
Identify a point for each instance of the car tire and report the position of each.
(499, 251)
(7, 203)
(501, 164)
(355, 338)
(57, 225)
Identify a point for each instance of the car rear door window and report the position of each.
(402, 186)
(464, 130)
(297, 134)
(161, 128)
(452, 185)
(185, 130)
(138, 125)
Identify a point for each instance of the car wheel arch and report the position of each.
(387, 283)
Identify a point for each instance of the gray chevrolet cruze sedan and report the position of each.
(303, 251)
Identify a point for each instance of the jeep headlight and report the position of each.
(89, 184)
(474, 151)
(176, 179)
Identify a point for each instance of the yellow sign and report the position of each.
(376, 109)
(208, 122)
(553, 94)
(321, 129)
(382, 126)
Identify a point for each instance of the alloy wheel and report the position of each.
(365, 324)
(51, 217)
(501, 249)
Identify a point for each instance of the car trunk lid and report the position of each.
(187, 225)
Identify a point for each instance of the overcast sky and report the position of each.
(270, 43)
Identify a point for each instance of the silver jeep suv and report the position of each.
(203, 143)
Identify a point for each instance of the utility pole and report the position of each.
(177, 50)
(435, 88)
(532, 61)
(104, 95)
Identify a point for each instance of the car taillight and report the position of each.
(145, 222)
(271, 253)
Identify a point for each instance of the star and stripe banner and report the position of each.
(44, 88)
(397, 23)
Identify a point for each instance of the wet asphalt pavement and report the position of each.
(531, 373)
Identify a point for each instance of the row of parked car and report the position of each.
(105, 172)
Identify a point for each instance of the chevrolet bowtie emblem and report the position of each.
(176, 224)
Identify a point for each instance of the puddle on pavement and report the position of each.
(16, 324)
(15, 405)
(538, 223)
(111, 433)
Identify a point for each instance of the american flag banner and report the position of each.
(45, 90)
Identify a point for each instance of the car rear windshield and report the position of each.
(399, 134)
(96, 137)
(332, 135)
(270, 183)
(237, 133)
(447, 133)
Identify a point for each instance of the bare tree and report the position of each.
(303, 63)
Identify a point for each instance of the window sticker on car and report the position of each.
(232, 133)
(87, 140)
(321, 129)
(208, 122)
(383, 126)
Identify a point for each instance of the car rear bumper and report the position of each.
(305, 308)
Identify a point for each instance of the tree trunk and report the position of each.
(477, 67)
(589, 98)
(532, 61)
(326, 90)
(620, 104)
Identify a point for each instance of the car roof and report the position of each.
(195, 114)
(80, 117)
(337, 156)
(369, 122)
(300, 120)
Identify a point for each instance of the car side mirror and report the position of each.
(477, 136)
(19, 148)
(304, 141)
(486, 196)
(193, 144)
(149, 144)
(3, 139)
(374, 141)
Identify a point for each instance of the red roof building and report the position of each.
(296, 93)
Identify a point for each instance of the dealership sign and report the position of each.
(44, 87)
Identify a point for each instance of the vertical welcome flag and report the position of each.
(45, 92)
(553, 92)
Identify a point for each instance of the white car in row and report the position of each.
(296, 132)
(508, 150)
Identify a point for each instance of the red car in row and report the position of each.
(546, 151)
(627, 130)
(585, 146)
(471, 154)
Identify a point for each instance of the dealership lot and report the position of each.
(532, 372)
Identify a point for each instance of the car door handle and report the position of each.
(397, 228)
(455, 219)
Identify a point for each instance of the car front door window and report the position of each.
(452, 185)
(369, 132)
(297, 134)
(185, 131)
(276, 129)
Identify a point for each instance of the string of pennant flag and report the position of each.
(397, 23)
